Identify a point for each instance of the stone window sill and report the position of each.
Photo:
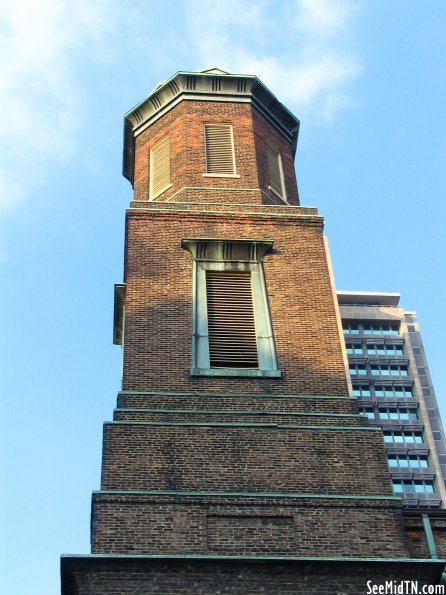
(221, 176)
(236, 372)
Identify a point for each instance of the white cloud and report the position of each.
(325, 17)
(298, 48)
(38, 90)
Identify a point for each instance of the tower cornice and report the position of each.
(213, 84)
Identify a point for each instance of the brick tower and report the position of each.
(236, 461)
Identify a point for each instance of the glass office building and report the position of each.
(390, 377)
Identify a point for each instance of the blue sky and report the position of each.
(368, 82)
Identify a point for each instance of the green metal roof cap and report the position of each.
(211, 84)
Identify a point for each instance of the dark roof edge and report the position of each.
(368, 298)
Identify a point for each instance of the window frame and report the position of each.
(266, 351)
(211, 174)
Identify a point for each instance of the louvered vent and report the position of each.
(241, 85)
(155, 102)
(231, 325)
(118, 323)
(275, 172)
(160, 168)
(219, 149)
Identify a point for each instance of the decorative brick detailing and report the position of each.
(223, 417)
(263, 533)
(233, 402)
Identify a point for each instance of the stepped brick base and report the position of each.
(264, 576)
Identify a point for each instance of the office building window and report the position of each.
(385, 349)
(403, 437)
(358, 370)
(404, 392)
(381, 329)
(417, 486)
(408, 461)
(354, 348)
(361, 390)
(398, 413)
(350, 329)
(376, 328)
(389, 370)
(391, 391)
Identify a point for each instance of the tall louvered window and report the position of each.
(275, 172)
(231, 324)
(219, 150)
(231, 328)
(160, 168)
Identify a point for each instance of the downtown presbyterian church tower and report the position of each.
(236, 461)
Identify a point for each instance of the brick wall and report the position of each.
(114, 576)
(417, 540)
(184, 124)
(243, 458)
(157, 354)
(150, 523)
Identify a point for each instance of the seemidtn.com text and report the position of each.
(404, 588)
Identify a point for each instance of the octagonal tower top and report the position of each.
(212, 84)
